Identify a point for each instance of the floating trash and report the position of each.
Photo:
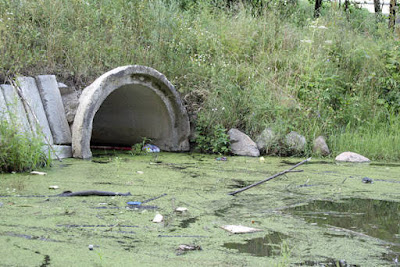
(54, 187)
(158, 218)
(239, 229)
(91, 247)
(181, 209)
(151, 148)
(367, 180)
(134, 203)
(221, 159)
(38, 173)
(185, 247)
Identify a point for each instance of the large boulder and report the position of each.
(296, 143)
(242, 145)
(320, 146)
(266, 140)
(351, 157)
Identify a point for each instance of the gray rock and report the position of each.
(70, 99)
(320, 146)
(266, 140)
(54, 108)
(242, 145)
(351, 157)
(34, 107)
(295, 143)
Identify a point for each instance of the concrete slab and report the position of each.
(31, 94)
(4, 115)
(15, 106)
(54, 108)
(61, 151)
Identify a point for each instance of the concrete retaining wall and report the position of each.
(23, 107)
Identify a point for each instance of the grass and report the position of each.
(20, 151)
(276, 68)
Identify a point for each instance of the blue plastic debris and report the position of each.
(134, 203)
(151, 148)
(367, 180)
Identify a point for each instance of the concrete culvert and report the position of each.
(126, 104)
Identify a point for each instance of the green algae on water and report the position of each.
(37, 230)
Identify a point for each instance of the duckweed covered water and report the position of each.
(56, 231)
(269, 245)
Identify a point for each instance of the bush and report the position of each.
(212, 139)
(19, 152)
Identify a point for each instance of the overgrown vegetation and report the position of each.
(255, 66)
(20, 151)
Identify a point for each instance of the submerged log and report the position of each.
(91, 193)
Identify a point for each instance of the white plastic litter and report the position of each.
(158, 218)
(239, 229)
(38, 173)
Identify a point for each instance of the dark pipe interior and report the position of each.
(129, 114)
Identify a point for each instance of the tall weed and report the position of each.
(20, 151)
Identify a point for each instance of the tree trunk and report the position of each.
(317, 9)
(346, 4)
(377, 7)
(392, 14)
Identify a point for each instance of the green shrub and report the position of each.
(20, 152)
(212, 138)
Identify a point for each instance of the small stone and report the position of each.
(54, 187)
(296, 143)
(320, 146)
(38, 173)
(91, 247)
(266, 140)
(158, 218)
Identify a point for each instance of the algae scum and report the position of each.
(323, 216)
